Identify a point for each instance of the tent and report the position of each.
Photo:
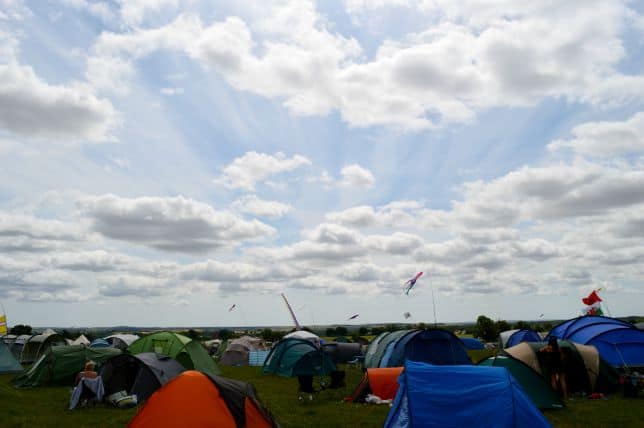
(140, 374)
(237, 351)
(586, 371)
(18, 345)
(461, 396)
(99, 343)
(121, 341)
(61, 364)
(8, 339)
(372, 348)
(380, 382)
(472, 344)
(194, 399)
(81, 340)
(306, 335)
(189, 353)
(297, 357)
(535, 386)
(434, 346)
(342, 352)
(39, 344)
(514, 337)
(8, 364)
(618, 342)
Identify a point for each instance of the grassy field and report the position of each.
(46, 407)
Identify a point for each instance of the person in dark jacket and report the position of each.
(553, 362)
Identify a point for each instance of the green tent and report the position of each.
(372, 348)
(297, 357)
(60, 365)
(533, 384)
(190, 353)
(8, 364)
(382, 347)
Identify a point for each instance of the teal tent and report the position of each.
(8, 364)
(297, 357)
(534, 385)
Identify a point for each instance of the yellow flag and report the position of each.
(3, 325)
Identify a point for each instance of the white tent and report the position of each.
(81, 340)
(306, 335)
(121, 341)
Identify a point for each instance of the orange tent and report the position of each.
(194, 399)
(382, 382)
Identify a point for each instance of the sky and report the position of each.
(162, 160)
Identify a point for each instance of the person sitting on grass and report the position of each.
(552, 358)
(89, 372)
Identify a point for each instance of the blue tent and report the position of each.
(524, 335)
(461, 396)
(472, 344)
(618, 342)
(433, 346)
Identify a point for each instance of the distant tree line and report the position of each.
(489, 330)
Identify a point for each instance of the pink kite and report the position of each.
(411, 282)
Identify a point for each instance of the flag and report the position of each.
(591, 299)
(3, 325)
(594, 309)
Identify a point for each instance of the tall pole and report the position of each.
(434, 305)
(297, 324)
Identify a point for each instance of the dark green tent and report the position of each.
(534, 385)
(189, 353)
(297, 357)
(61, 364)
(8, 364)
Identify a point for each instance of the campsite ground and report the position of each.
(46, 407)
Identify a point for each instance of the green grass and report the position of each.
(46, 407)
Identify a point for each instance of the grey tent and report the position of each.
(18, 344)
(342, 352)
(140, 374)
(121, 341)
(8, 364)
(39, 344)
(237, 351)
(8, 339)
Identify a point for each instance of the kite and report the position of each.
(232, 307)
(411, 282)
(407, 315)
(353, 317)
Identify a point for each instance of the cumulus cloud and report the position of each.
(244, 172)
(606, 138)
(31, 107)
(356, 176)
(171, 223)
(251, 204)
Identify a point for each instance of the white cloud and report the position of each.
(251, 204)
(356, 176)
(244, 172)
(171, 91)
(98, 9)
(171, 223)
(606, 138)
(31, 107)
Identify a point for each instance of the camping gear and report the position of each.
(61, 364)
(434, 346)
(139, 375)
(618, 342)
(510, 338)
(297, 357)
(585, 370)
(39, 344)
(88, 391)
(382, 383)
(194, 399)
(189, 353)
(237, 351)
(8, 364)
(535, 386)
(461, 396)
(121, 341)
(472, 344)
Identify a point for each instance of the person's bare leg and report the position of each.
(564, 385)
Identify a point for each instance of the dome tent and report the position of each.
(618, 342)
(8, 364)
(472, 344)
(140, 374)
(189, 353)
(510, 338)
(297, 357)
(194, 399)
(237, 351)
(39, 344)
(461, 396)
(121, 341)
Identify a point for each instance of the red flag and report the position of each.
(592, 298)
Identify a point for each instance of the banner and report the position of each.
(3, 325)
